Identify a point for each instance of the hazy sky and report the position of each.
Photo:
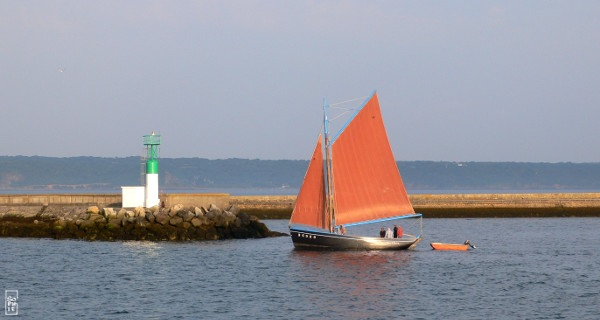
(457, 81)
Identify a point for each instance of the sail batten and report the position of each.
(310, 203)
(367, 183)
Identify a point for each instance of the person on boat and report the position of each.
(399, 232)
(395, 231)
(382, 232)
(342, 230)
(388, 234)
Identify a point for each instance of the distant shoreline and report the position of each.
(490, 205)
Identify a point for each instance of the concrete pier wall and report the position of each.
(430, 205)
(507, 205)
(456, 205)
(111, 200)
(269, 207)
(221, 200)
(104, 200)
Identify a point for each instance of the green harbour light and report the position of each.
(151, 142)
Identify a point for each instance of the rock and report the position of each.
(224, 219)
(244, 217)
(162, 218)
(174, 209)
(229, 217)
(234, 209)
(93, 209)
(150, 217)
(129, 214)
(114, 223)
(203, 209)
(175, 220)
(198, 212)
(109, 212)
(121, 213)
(154, 209)
(196, 222)
(214, 208)
(187, 225)
(187, 216)
(141, 221)
(139, 212)
(87, 224)
(95, 217)
(211, 215)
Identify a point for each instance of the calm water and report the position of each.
(522, 269)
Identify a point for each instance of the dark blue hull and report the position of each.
(315, 240)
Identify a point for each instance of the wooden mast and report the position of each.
(328, 168)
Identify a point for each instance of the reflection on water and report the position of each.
(364, 280)
(143, 248)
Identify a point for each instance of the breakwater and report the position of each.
(280, 207)
(177, 223)
(455, 205)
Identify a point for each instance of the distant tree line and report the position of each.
(21, 172)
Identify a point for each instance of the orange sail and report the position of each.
(366, 181)
(310, 204)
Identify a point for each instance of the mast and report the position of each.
(329, 182)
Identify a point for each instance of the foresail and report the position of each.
(367, 183)
(310, 204)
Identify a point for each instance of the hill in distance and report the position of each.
(99, 174)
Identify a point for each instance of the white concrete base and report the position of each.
(152, 190)
(132, 197)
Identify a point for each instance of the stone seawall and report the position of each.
(455, 205)
(111, 200)
(103, 200)
(267, 207)
(280, 207)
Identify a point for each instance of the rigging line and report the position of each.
(351, 100)
(339, 115)
(342, 108)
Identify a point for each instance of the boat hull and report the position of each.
(449, 246)
(314, 240)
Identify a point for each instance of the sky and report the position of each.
(456, 80)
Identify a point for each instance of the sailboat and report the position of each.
(357, 182)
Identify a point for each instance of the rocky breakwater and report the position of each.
(177, 223)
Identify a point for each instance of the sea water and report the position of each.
(522, 269)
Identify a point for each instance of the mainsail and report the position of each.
(310, 204)
(366, 181)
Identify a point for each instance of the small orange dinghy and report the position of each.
(452, 246)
